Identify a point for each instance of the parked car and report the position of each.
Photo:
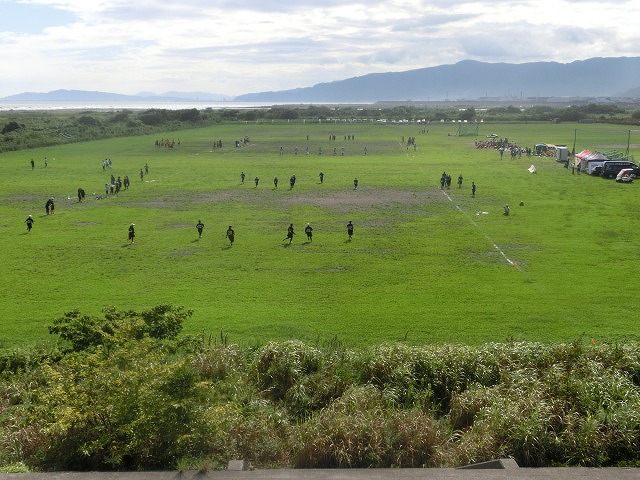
(626, 175)
(611, 168)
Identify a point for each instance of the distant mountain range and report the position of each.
(596, 77)
(617, 77)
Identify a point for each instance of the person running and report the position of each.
(29, 222)
(321, 177)
(350, 229)
(460, 181)
(309, 231)
(257, 180)
(275, 182)
(231, 235)
(141, 175)
(473, 189)
(132, 232)
(52, 206)
(242, 175)
(355, 183)
(290, 234)
(199, 227)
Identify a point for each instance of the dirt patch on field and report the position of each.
(338, 200)
(365, 198)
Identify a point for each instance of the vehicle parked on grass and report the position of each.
(611, 168)
(626, 175)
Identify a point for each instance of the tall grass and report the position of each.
(289, 404)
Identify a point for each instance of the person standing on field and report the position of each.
(231, 235)
(242, 175)
(350, 229)
(309, 231)
(473, 189)
(29, 222)
(200, 227)
(132, 232)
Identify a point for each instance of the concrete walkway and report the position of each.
(352, 474)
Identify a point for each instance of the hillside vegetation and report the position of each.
(125, 391)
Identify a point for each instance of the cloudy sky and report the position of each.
(245, 46)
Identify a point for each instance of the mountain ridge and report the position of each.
(598, 77)
(471, 79)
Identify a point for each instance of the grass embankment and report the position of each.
(145, 404)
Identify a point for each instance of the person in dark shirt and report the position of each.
(200, 227)
(290, 233)
(350, 229)
(132, 232)
(29, 222)
(231, 235)
(309, 231)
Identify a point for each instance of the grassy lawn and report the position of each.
(424, 266)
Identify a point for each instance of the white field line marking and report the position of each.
(475, 224)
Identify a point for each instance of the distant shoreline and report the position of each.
(113, 106)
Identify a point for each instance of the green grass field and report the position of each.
(422, 267)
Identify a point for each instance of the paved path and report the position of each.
(353, 474)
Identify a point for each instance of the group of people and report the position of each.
(230, 233)
(50, 206)
(292, 180)
(116, 185)
(308, 230)
(445, 181)
(166, 143)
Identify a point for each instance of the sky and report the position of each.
(233, 47)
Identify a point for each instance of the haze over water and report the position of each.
(35, 106)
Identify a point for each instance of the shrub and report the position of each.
(359, 431)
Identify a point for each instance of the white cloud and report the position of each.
(242, 46)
